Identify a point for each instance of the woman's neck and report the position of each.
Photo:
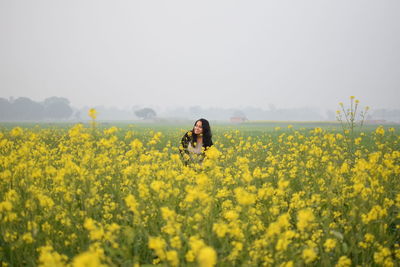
(199, 139)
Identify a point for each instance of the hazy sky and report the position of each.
(207, 53)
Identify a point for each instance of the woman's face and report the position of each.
(198, 128)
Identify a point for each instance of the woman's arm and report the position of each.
(184, 144)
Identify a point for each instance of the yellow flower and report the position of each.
(309, 255)
(220, 229)
(357, 141)
(376, 213)
(213, 153)
(231, 215)
(95, 232)
(369, 237)
(383, 256)
(243, 197)
(305, 217)
(136, 145)
(93, 113)
(176, 242)
(380, 130)
(50, 258)
(158, 244)
(167, 213)
(17, 131)
(207, 257)
(285, 240)
(111, 130)
(27, 237)
(329, 244)
(87, 259)
(89, 224)
(5, 206)
(45, 201)
(132, 203)
(172, 257)
(343, 262)
(287, 264)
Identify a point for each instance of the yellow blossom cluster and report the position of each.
(122, 196)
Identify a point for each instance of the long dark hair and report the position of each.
(207, 142)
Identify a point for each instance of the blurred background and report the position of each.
(177, 60)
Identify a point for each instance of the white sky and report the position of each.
(202, 53)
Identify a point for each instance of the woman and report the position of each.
(196, 141)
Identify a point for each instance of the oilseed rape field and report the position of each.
(92, 195)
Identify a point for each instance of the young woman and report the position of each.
(196, 141)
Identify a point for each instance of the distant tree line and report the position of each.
(274, 114)
(116, 113)
(59, 109)
(250, 113)
(389, 115)
(25, 109)
(145, 113)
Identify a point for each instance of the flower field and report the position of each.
(121, 196)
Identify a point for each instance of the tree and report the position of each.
(57, 108)
(145, 113)
(23, 108)
(5, 109)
